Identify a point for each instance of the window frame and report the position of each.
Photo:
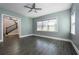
(37, 26)
(48, 25)
(73, 23)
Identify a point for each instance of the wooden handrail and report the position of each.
(10, 27)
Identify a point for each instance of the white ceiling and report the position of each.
(47, 8)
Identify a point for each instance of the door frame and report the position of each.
(19, 25)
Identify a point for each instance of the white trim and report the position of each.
(11, 16)
(1, 40)
(26, 35)
(19, 24)
(19, 27)
(55, 38)
(2, 27)
(47, 26)
(75, 47)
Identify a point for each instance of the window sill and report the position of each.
(72, 33)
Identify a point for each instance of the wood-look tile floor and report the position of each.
(32, 45)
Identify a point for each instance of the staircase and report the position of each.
(10, 29)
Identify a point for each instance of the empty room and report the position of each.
(39, 28)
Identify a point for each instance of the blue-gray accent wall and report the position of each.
(63, 19)
(28, 25)
(26, 22)
(75, 38)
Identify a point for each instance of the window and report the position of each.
(52, 25)
(73, 23)
(47, 25)
(39, 25)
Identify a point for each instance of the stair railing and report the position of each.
(11, 28)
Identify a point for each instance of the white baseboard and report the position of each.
(55, 38)
(75, 47)
(26, 35)
(1, 40)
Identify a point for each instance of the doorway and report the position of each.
(11, 27)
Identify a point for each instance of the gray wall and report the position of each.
(75, 38)
(63, 18)
(26, 23)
